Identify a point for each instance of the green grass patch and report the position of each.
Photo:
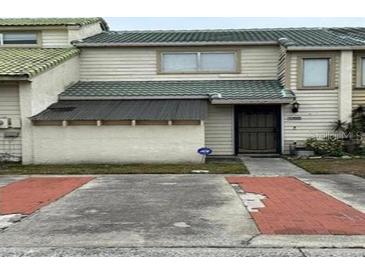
(332, 166)
(213, 167)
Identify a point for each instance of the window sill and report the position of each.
(317, 88)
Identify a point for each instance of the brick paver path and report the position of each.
(293, 207)
(28, 195)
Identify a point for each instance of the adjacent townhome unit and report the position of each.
(101, 96)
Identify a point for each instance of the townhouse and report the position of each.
(71, 91)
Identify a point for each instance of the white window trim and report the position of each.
(1, 39)
(198, 54)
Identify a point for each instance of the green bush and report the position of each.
(329, 146)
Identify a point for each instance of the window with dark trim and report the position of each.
(316, 72)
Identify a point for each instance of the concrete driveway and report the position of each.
(139, 210)
(165, 215)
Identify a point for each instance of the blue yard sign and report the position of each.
(205, 151)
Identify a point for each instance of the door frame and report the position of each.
(277, 110)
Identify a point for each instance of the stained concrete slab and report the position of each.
(272, 167)
(139, 210)
(152, 252)
(316, 241)
(347, 188)
(333, 252)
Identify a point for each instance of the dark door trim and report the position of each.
(239, 108)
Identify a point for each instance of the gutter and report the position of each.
(318, 48)
(161, 44)
(250, 101)
(76, 98)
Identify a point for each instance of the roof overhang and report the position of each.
(167, 44)
(251, 102)
(111, 110)
(318, 48)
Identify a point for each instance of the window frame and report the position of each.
(37, 33)
(330, 73)
(235, 51)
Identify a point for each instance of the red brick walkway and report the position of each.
(293, 207)
(28, 195)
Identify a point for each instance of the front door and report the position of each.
(258, 129)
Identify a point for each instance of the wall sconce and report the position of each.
(295, 107)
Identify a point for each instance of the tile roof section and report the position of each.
(218, 89)
(21, 22)
(294, 37)
(124, 110)
(28, 62)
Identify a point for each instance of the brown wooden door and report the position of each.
(258, 131)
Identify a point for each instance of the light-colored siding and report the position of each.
(282, 66)
(219, 129)
(55, 39)
(318, 110)
(358, 95)
(117, 64)
(10, 108)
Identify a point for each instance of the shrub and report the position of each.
(330, 146)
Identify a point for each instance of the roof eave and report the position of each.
(161, 44)
(321, 48)
(15, 78)
(61, 97)
(251, 101)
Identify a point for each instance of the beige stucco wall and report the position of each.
(62, 38)
(83, 32)
(37, 95)
(117, 144)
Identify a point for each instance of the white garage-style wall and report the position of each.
(117, 144)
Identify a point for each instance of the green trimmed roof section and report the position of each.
(217, 89)
(28, 62)
(19, 22)
(288, 37)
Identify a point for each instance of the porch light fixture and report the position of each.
(295, 107)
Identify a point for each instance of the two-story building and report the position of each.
(157, 96)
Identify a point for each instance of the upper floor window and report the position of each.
(316, 71)
(199, 62)
(17, 38)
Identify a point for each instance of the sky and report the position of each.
(153, 23)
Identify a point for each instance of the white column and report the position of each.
(345, 90)
(25, 98)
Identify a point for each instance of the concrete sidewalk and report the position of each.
(272, 167)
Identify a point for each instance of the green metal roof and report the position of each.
(28, 62)
(19, 22)
(290, 37)
(124, 110)
(217, 89)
